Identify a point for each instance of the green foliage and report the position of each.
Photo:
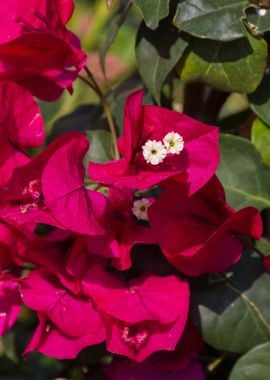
(101, 147)
(153, 11)
(254, 365)
(260, 100)
(233, 312)
(260, 137)
(214, 19)
(231, 66)
(157, 53)
(244, 176)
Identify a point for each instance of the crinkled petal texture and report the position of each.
(36, 49)
(10, 304)
(71, 321)
(24, 125)
(193, 166)
(50, 189)
(198, 235)
(147, 316)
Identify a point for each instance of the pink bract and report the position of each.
(199, 234)
(10, 158)
(50, 189)
(181, 364)
(194, 166)
(122, 229)
(146, 316)
(24, 125)
(65, 318)
(10, 302)
(36, 49)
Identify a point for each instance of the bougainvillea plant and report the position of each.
(134, 190)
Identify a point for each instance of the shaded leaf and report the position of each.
(101, 146)
(152, 11)
(82, 119)
(157, 53)
(233, 314)
(260, 100)
(260, 137)
(9, 346)
(230, 66)
(214, 19)
(254, 365)
(244, 176)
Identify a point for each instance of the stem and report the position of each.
(250, 245)
(214, 364)
(94, 85)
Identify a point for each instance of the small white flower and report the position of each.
(154, 152)
(173, 142)
(140, 208)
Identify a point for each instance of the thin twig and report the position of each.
(94, 85)
(250, 245)
(215, 363)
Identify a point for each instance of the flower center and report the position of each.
(33, 189)
(173, 142)
(34, 197)
(154, 152)
(134, 336)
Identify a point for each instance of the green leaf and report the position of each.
(236, 66)
(254, 365)
(264, 246)
(243, 174)
(153, 11)
(9, 346)
(116, 22)
(260, 137)
(233, 314)
(157, 53)
(214, 19)
(260, 100)
(101, 146)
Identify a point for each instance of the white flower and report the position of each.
(154, 152)
(173, 142)
(140, 208)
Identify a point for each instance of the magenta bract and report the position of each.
(192, 167)
(36, 49)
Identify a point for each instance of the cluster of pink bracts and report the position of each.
(78, 285)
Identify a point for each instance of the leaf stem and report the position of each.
(215, 363)
(94, 85)
(249, 244)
